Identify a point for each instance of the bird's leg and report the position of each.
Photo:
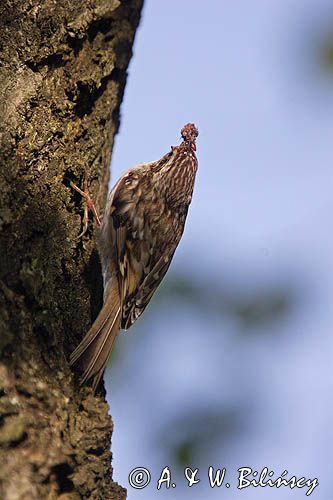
(89, 205)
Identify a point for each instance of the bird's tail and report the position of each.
(96, 346)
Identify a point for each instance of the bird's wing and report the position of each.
(121, 206)
(144, 250)
(128, 234)
(137, 301)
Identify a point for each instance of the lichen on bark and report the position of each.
(62, 76)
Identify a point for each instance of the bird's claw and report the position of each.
(89, 205)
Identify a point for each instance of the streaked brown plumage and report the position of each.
(141, 228)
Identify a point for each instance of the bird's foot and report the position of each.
(89, 205)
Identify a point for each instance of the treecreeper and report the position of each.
(141, 227)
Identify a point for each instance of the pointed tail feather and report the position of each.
(94, 350)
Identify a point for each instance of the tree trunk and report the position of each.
(62, 75)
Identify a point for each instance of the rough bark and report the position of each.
(62, 76)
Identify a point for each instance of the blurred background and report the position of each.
(231, 364)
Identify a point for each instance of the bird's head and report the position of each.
(189, 134)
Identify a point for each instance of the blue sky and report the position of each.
(251, 76)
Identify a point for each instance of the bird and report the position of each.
(140, 230)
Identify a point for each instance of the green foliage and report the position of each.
(190, 438)
(327, 54)
(260, 308)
